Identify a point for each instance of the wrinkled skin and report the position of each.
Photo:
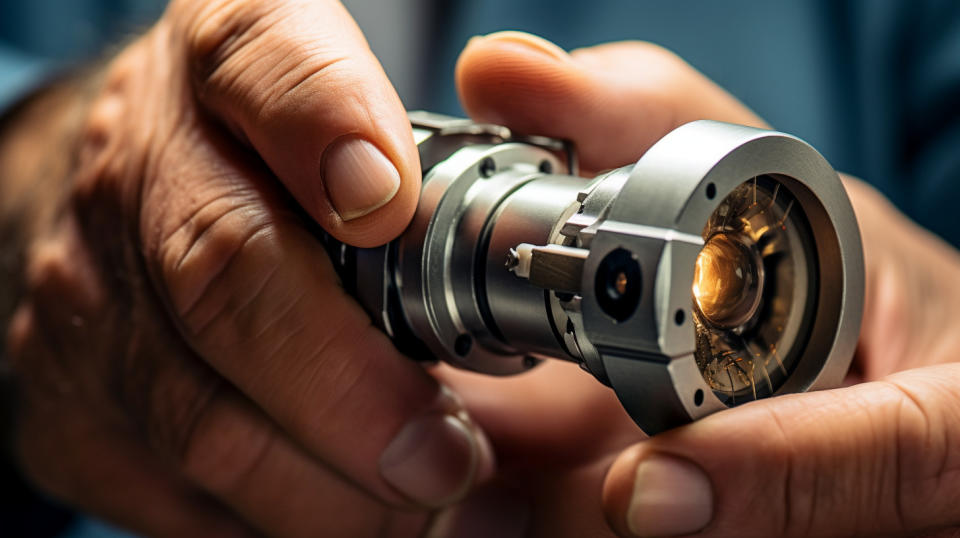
(187, 364)
(183, 333)
(879, 457)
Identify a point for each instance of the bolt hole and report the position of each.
(546, 167)
(711, 191)
(678, 317)
(698, 397)
(462, 345)
(488, 167)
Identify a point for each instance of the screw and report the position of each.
(513, 260)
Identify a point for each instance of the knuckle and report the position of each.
(224, 445)
(170, 402)
(217, 31)
(63, 280)
(48, 267)
(203, 263)
(111, 151)
(926, 449)
(60, 282)
(238, 58)
(300, 73)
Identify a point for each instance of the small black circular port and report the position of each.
(462, 345)
(618, 284)
(488, 167)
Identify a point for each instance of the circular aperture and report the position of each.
(488, 167)
(753, 291)
(462, 345)
(618, 284)
(727, 281)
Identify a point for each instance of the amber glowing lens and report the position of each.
(752, 290)
(726, 282)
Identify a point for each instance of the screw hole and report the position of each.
(462, 345)
(698, 397)
(546, 167)
(678, 317)
(488, 167)
(711, 191)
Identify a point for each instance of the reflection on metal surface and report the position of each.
(722, 267)
(727, 281)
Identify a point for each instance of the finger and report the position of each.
(614, 101)
(258, 299)
(117, 479)
(203, 430)
(238, 455)
(96, 467)
(298, 81)
(876, 458)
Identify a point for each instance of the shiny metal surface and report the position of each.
(511, 258)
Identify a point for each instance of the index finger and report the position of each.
(298, 81)
(256, 296)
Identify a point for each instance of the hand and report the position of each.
(185, 360)
(878, 457)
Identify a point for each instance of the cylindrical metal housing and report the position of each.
(511, 258)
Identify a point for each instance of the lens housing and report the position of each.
(511, 258)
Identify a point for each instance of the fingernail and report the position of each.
(671, 496)
(358, 177)
(436, 458)
(531, 41)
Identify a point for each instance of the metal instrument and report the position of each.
(723, 267)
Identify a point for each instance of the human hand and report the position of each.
(185, 360)
(879, 457)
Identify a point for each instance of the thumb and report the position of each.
(876, 458)
(614, 100)
(297, 80)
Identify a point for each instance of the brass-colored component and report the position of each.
(745, 290)
(727, 281)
